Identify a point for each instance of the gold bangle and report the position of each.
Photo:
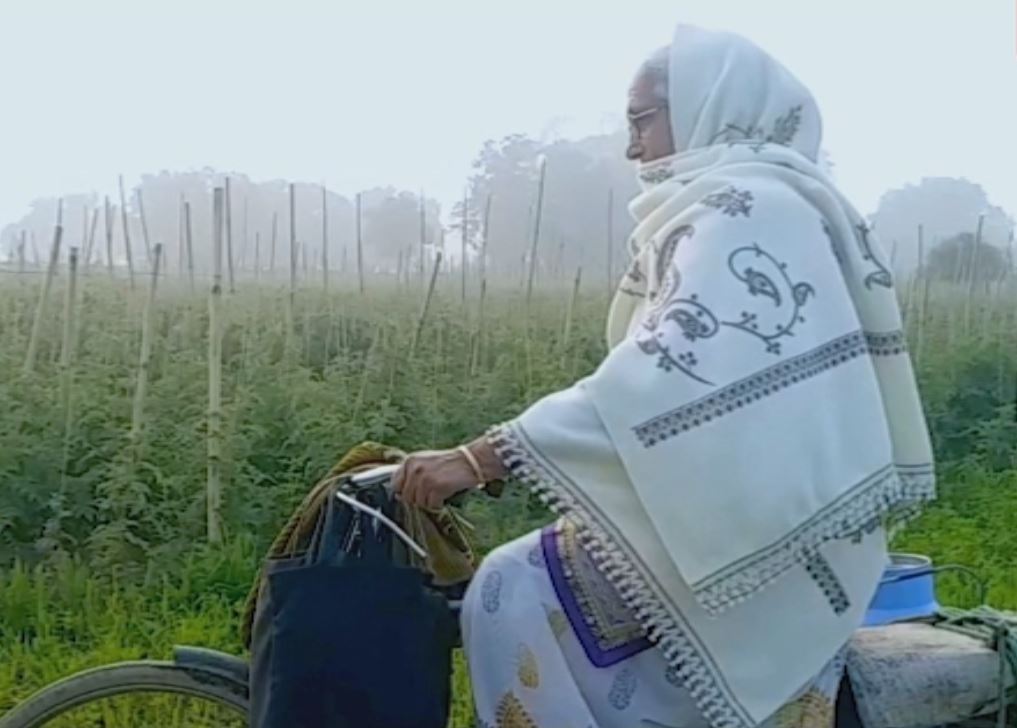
(474, 465)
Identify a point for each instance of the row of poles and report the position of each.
(222, 265)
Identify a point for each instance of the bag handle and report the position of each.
(332, 531)
(367, 510)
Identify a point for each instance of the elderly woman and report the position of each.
(725, 476)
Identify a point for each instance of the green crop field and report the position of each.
(103, 518)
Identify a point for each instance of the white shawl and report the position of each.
(733, 460)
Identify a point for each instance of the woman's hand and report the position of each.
(430, 477)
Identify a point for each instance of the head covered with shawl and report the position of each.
(733, 461)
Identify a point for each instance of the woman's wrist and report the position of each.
(490, 464)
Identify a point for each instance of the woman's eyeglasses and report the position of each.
(640, 120)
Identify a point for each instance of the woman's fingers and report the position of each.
(434, 501)
(399, 479)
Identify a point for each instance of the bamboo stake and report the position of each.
(244, 241)
(144, 358)
(463, 261)
(922, 280)
(536, 230)
(423, 233)
(485, 233)
(67, 341)
(257, 256)
(180, 237)
(47, 283)
(324, 238)
(189, 240)
(144, 228)
(365, 375)
(229, 237)
(84, 227)
(436, 389)
(567, 333)
(1005, 330)
(213, 489)
(973, 274)
(275, 229)
(360, 246)
(67, 359)
(427, 304)
(291, 300)
(127, 234)
(109, 237)
(610, 244)
(90, 245)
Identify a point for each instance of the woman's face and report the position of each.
(649, 122)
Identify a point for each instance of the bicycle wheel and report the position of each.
(136, 694)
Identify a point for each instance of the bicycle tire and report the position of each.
(146, 676)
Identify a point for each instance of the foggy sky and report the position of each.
(359, 94)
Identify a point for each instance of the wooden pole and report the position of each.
(463, 253)
(423, 233)
(324, 238)
(291, 299)
(180, 237)
(47, 283)
(275, 230)
(84, 228)
(67, 358)
(478, 342)
(144, 228)
(229, 237)
(127, 234)
(922, 303)
(610, 244)
(109, 237)
(189, 241)
(536, 230)
(213, 489)
(35, 249)
(426, 305)
(21, 252)
(244, 242)
(973, 274)
(567, 333)
(485, 233)
(90, 245)
(360, 246)
(144, 358)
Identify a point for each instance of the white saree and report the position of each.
(731, 464)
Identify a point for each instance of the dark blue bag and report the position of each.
(346, 638)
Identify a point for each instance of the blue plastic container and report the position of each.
(907, 591)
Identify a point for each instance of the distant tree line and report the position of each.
(583, 219)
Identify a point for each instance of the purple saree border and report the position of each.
(574, 613)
